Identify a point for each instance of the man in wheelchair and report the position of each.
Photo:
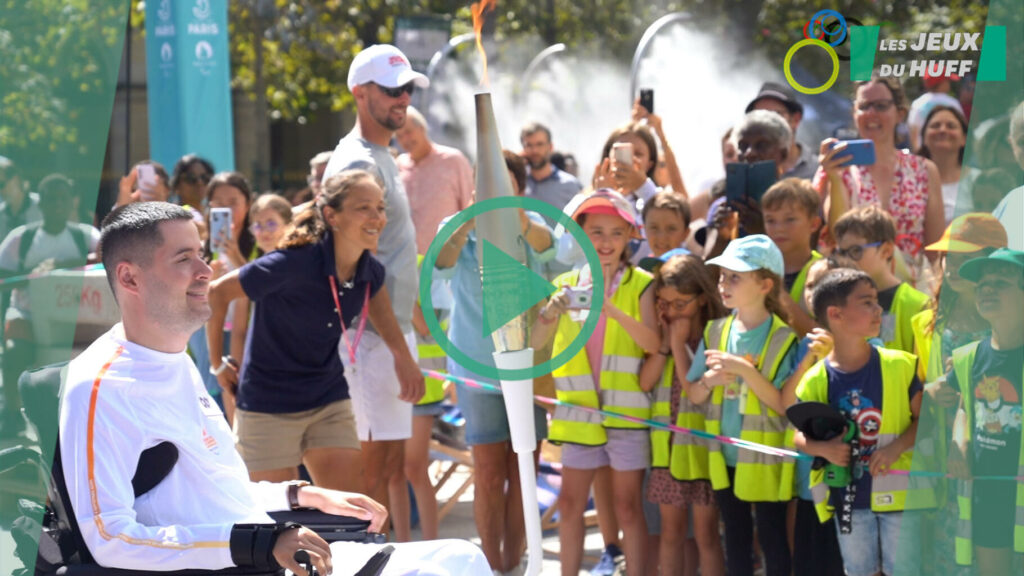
(135, 388)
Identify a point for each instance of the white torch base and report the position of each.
(518, 395)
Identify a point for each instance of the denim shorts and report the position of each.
(431, 409)
(484, 410)
(881, 542)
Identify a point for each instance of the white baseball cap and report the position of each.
(385, 65)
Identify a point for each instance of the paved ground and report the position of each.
(459, 524)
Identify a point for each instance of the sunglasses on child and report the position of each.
(196, 178)
(270, 226)
(396, 92)
(855, 252)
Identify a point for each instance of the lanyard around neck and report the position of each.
(362, 320)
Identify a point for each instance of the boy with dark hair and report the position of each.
(987, 434)
(791, 210)
(877, 390)
(866, 240)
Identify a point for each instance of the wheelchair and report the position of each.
(54, 544)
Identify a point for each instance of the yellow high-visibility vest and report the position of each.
(685, 455)
(889, 492)
(759, 477)
(963, 362)
(620, 370)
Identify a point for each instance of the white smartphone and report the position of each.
(622, 153)
(147, 182)
(220, 227)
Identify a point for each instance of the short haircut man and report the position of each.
(132, 235)
(533, 128)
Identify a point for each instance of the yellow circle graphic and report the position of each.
(789, 74)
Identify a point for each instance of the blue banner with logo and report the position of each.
(189, 81)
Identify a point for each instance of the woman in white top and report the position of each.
(943, 138)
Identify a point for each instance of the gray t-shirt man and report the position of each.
(557, 189)
(396, 249)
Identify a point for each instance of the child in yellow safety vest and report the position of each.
(878, 391)
(988, 438)
(686, 300)
(950, 323)
(866, 240)
(740, 366)
(604, 374)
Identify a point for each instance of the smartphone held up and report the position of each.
(861, 152)
(220, 228)
(647, 99)
(147, 183)
(622, 153)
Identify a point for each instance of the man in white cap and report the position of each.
(382, 81)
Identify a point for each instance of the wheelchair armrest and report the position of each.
(331, 527)
(310, 517)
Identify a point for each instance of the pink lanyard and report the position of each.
(362, 320)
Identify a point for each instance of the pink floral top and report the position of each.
(907, 204)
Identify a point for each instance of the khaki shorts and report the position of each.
(273, 441)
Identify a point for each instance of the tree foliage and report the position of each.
(309, 44)
(59, 66)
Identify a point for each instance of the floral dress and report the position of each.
(908, 203)
(662, 488)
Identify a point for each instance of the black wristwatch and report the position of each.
(293, 493)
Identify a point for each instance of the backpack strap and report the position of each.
(25, 243)
(78, 236)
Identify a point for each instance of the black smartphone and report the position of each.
(647, 99)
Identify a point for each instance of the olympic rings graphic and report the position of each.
(789, 74)
(819, 18)
(833, 28)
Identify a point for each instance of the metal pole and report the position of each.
(648, 36)
(423, 96)
(524, 85)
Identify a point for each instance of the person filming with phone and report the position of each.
(904, 184)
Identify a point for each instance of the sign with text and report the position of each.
(189, 81)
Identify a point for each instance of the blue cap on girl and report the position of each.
(751, 253)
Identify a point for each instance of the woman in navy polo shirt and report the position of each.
(292, 401)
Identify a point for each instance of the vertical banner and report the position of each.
(189, 81)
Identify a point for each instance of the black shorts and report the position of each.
(993, 511)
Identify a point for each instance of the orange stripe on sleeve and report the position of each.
(91, 464)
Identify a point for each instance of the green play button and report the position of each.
(509, 288)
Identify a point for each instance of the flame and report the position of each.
(478, 10)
